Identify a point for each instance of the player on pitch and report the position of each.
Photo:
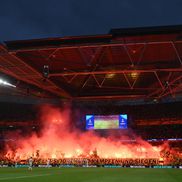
(30, 161)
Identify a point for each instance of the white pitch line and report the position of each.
(19, 177)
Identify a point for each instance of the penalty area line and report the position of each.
(29, 176)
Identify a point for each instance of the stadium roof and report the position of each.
(136, 63)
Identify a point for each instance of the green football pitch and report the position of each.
(90, 175)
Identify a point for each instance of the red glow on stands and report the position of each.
(59, 139)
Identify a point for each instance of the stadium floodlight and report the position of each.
(2, 82)
(46, 71)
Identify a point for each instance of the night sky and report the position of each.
(28, 19)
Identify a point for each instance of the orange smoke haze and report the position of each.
(59, 138)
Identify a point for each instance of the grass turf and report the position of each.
(90, 175)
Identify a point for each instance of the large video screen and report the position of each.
(96, 122)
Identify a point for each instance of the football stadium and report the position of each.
(92, 108)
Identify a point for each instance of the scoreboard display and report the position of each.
(96, 122)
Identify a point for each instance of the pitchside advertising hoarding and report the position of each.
(96, 122)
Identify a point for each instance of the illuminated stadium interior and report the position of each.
(99, 100)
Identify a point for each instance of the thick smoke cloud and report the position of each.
(59, 138)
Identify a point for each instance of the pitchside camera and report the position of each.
(46, 71)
